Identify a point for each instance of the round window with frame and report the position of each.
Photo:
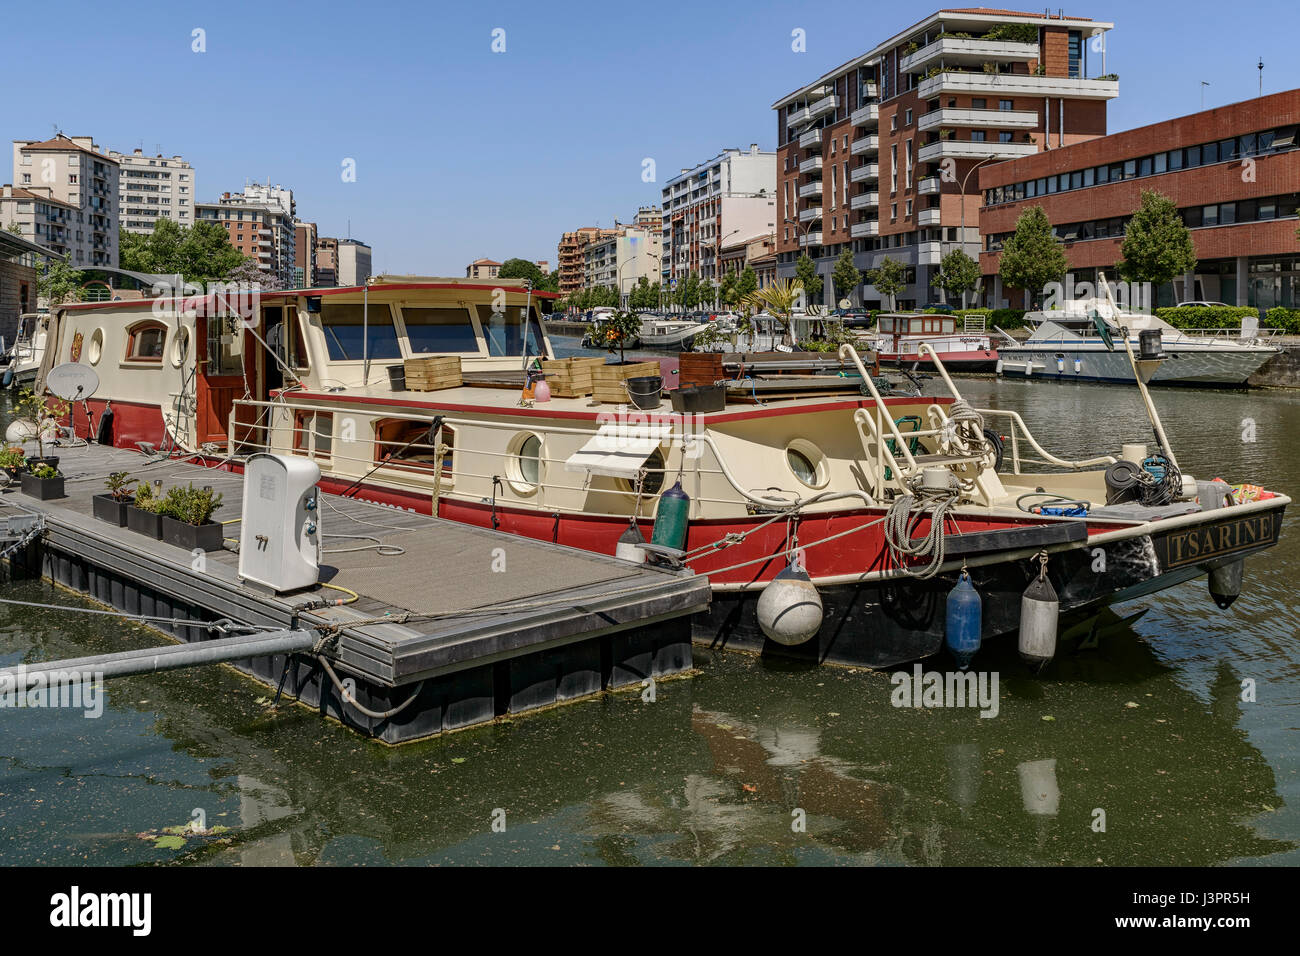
(524, 463)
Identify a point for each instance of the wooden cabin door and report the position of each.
(227, 371)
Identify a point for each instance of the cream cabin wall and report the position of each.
(145, 383)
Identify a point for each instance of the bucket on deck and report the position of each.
(397, 377)
(645, 391)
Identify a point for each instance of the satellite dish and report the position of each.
(846, 303)
(72, 382)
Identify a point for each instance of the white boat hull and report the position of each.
(1209, 367)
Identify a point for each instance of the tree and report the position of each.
(1157, 246)
(1033, 256)
(57, 282)
(16, 229)
(958, 274)
(747, 284)
(889, 278)
(524, 269)
(778, 300)
(727, 291)
(806, 272)
(846, 276)
(199, 253)
(250, 273)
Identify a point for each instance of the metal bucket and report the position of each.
(397, 377)
(645, 391)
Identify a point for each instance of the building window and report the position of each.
(907, 119)
(978, 103)
(1004, 136)
(977, 136)
(1006, 104)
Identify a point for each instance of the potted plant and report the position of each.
(144, 514)
(187, 518)
(44, 412)
(111, 507)
(12, 461)
(43, 482)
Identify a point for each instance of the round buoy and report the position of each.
(790, 609)
(20, 430)
(629, 545)
(1225, 583)
(1039, 611)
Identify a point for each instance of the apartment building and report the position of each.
(40, 217)
(327, 261)
(354, 262)
(572, 255)
(621, 260)
(879, 155)
(483, 269)
(741, 254)
(732, 194)
(1233, 173)
(263, 231)
(71, 171)
(304, 255)
(153, 188)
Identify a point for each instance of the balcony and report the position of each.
(811, 138)
(812, 164)
(810, 189)
(866, 145)
(827, 104)
(928, 186)
(811, 238)
(810, 214)
(1007, 84)
(929, 253)
(967, 50)
(862, 230)
(864, 200)
(965, 149)
(866, 115)
(865, 174)
(1002, 119)
(869, 90)
(928, 217)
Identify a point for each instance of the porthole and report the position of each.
(524, 463)
(180, 346)
(96, 350)
(807, 463)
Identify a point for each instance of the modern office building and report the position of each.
(878, 154)
(1233, 172)
(304, 255)
(153, 188)
(354, 262)
(732, 194)
(261, 230)
(72, 171)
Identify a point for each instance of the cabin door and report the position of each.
(227, 371)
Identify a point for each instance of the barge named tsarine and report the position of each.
(880, 502)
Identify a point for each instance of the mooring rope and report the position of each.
(905, 515)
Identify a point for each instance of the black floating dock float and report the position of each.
(578, 623)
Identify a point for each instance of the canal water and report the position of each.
(1141, 751)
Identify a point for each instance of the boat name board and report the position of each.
(1196, 545)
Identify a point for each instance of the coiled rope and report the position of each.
(905, 515)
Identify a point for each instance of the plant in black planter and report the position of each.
(144, 513)
(43, 482)
(187, 518)
(12, 461)
(111, 507)
(44, 412)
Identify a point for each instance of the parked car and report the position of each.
(937, 307)
(1203, 304)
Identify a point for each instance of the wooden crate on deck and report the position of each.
(699, 368)
(609, 382)
(431, 374)
(570, 377)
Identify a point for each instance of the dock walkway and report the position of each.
(504, 624)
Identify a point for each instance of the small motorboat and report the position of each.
(902, 334)
(663, 333)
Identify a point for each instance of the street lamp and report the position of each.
(962, 234)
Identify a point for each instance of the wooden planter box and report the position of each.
(43, 489)
(182, 534)
(432, 374)
(701, 369)
(144, 522)
(107, 508)
(570, 377)
(609, 382)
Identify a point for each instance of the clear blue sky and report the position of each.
(462, 152)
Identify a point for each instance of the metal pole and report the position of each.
(365, 335)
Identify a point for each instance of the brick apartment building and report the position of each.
(876, 156)
(1233, 172)
(572, 255)
(304, 255)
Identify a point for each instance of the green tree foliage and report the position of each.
(1157, 246)
(889, 278)
(958, 274)
(806, 272)
(846, 276)
(727, 291)
(747, 284)
(16, 229)
(1033, 257)
(58, 282)
(525, 269)
(199, 253)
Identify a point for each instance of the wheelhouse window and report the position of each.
(354, 332)
(145, 342)
(439, 330)
(504, 331)
(225, 346)
(408, 446)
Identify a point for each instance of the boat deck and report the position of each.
(484, 597)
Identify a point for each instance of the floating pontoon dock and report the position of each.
(484, 623)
